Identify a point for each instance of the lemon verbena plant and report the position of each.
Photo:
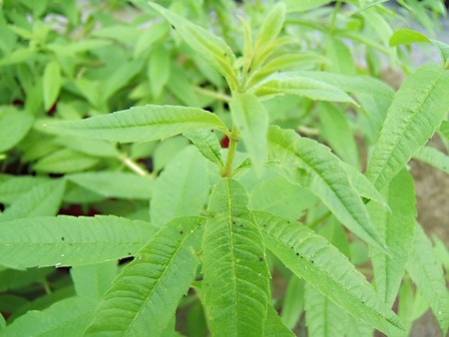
(258, 186)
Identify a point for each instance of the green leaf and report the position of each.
(274, 326)
(94, 148)
(208, 45)
(313, 258)
(330, 181)
(417, 111)
(427, 273)
(69, 241)
(14, 125)
(251, 119)
(295, 84)
(42, 199)
(293, 305)
(52, 84)
(65, 161)
(236, 276)
(115, 184)
(144, 296)
(65, 318)
(407, 36)
(181, 189)
(398, 230)
(323, 317)
(158, 70)
(272, 25)
(15, 186)
(207, 143)
(433, 157)
(304, 5)
(92, 281)
(139, 124)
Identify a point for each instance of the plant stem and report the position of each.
(233, 141)
(133, 166)
(213, 94)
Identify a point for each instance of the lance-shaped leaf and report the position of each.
(208, 45)
(64, 318)
(182, 188)
(42, 199)
(323, 317)
(330, 181)
(138, 124)
(428, 275)
(69, 241)
(236, 277)
(115, 184)
(434, 157)
(207, 143)
(417, 111)
(12, 187)
(251, 118)
(295, 84)
(313, 258)
(51, 83)
(272, 25)
(274, 326)
(397, 229)
(144, 296)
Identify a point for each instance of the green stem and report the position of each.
(217, 95)
(133, 166)
(233, 141)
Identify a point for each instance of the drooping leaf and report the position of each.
(139, 124)
(115, 184)
(251, 118)
(181, 189)
(415, 114)
(330, 181)
(434, 157)
(313, 258)
(52, 83)
(144, 296)
(14, 125)
(398, 229)
(70, 241)
(323, 317)
(236, 277)
(427, 273)
(65, 318)
(42, 199)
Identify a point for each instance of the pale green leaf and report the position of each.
(274, 326)
(95, 148)
(251, 119)
(295, 84)
(51, 83)
(70, 241)
(293, 304)
(65, 318)
(236, 276)
(304, 5)
(14, 186)
(417, 111)
(427, 273)
(397, 229)
(139, 124)
(112, 184)
(65, 161)
(144, 296)
(323, 317)
(313, 258)
(92, 281)
(207, 143)
(434, 157)
(272, 25)
(14, 125)
(330, 181)
(405, 36)
(181, 189)
(42, 199)
(158, 70)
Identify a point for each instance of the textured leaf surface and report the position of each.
(313, 258)
(251, 118)
(274, 326)
(207, 143)
(139, 124)
(398, 229)
(42, 199)
(427, 273)
(330, 181)
(65, 318)
(181, 189)
(115, 184)
(236, 277)
(68, 241)
(417, 111)
(144, 296)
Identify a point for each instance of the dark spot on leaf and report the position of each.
(62, 238)
(181, 232)
(260, 258)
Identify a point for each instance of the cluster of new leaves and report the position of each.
(282, 195)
